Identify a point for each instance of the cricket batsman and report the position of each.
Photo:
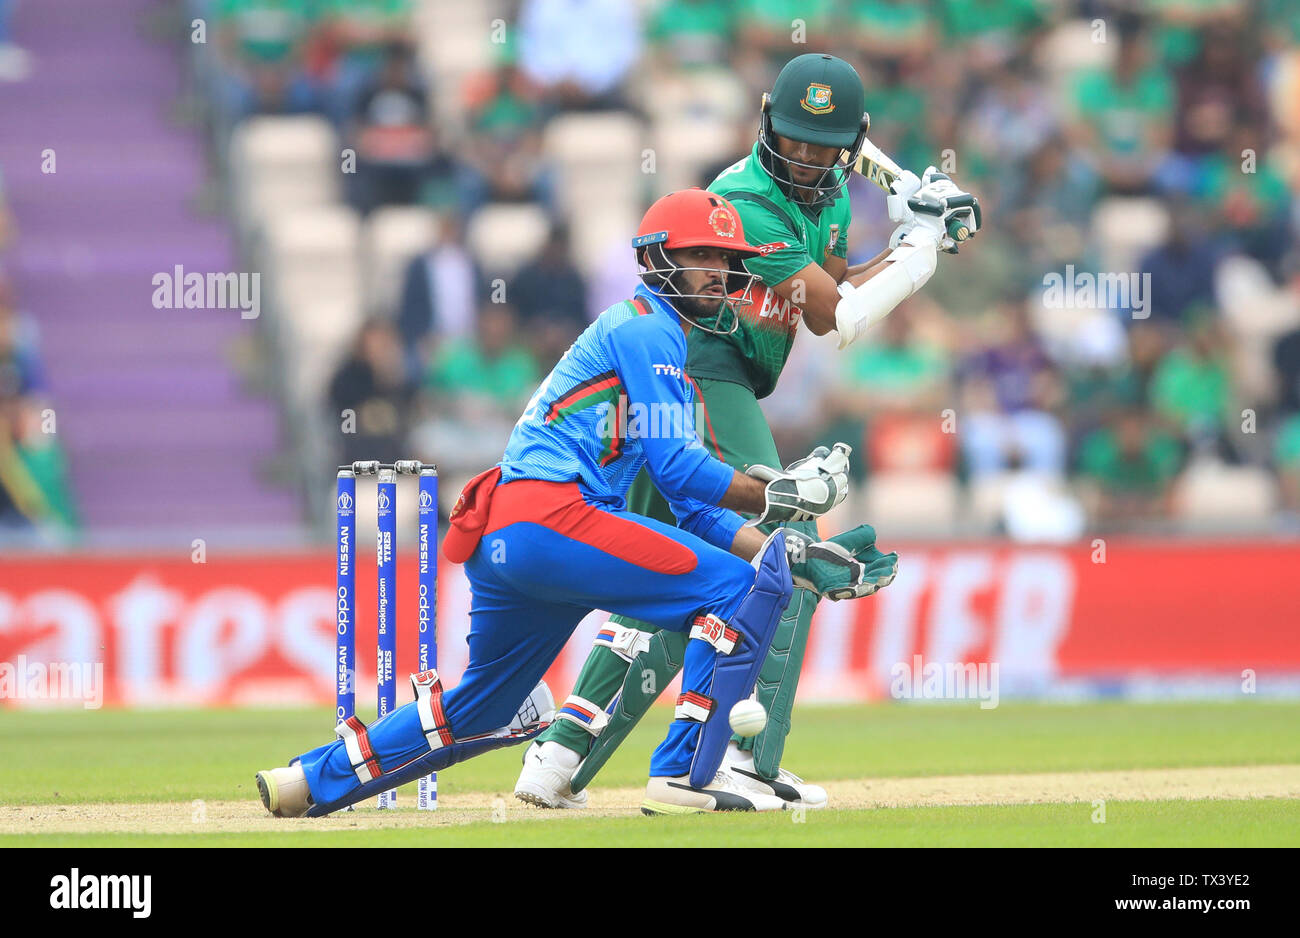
(790, 192)
(546, 536)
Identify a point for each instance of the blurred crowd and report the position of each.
(1160, 139)
(35, 496)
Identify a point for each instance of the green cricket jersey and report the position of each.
(792, 237)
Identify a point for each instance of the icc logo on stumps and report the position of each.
(426, 500)
(383, 501)
(345, 502)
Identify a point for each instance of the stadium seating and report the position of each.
(503, 236)
(920, 502)
(312, 258)
(390, 237)
(1211, 494)
(278, 164)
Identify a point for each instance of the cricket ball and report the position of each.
(748, 717)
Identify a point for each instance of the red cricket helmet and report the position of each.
(694, 218)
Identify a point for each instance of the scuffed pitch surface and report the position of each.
(191, 817)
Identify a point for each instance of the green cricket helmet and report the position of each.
(817, 99)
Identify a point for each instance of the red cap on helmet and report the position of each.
(693, 218)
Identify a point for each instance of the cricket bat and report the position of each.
(879, 170)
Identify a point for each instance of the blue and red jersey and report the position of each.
(619, 399)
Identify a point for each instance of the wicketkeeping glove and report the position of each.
(847, 566)
(807, 487)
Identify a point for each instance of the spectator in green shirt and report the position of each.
(264, 31)
(1249, 210)
(1125, 116)
(768, 29)
(1192, 386)
(976, 19)
(260, 45)
(34, 491)
(899, 370)
(506, 116)
(490, 365)
(990, 33)
(692, 33)
(503, 103)
(1176, 32)
(892, 29)
(36, 457)
(362, 30)
(896, 99)
(1130, 466)
(475, 388)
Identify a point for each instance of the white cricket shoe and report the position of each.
(664, 795)
(544, 781)
(787, 786)
(284, 791)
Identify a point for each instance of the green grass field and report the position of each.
(57, 761)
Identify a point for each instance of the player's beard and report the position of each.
(702, 309)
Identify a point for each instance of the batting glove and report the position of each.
(940, 205)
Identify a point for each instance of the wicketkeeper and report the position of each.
(790, 194)
(546, 537)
